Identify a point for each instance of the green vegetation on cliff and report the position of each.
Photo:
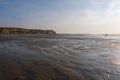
(24, 31)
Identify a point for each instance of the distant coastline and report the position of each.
(12, 30)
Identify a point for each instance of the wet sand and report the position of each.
(21, 60)
(29, 69)
(45, 58)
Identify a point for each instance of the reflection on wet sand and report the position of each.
(45, 58)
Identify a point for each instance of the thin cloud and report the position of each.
(75, 16)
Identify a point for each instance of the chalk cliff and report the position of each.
(24, 31)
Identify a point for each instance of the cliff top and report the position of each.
(13, 30)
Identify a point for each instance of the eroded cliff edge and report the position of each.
(24, 31)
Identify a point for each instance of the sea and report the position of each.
(60, 57)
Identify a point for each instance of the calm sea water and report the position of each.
(60, 57)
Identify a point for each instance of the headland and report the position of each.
(12, 30)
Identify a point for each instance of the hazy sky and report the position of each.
(63, 16)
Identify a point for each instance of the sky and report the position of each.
(63, 16)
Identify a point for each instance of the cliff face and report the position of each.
(25, 31)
